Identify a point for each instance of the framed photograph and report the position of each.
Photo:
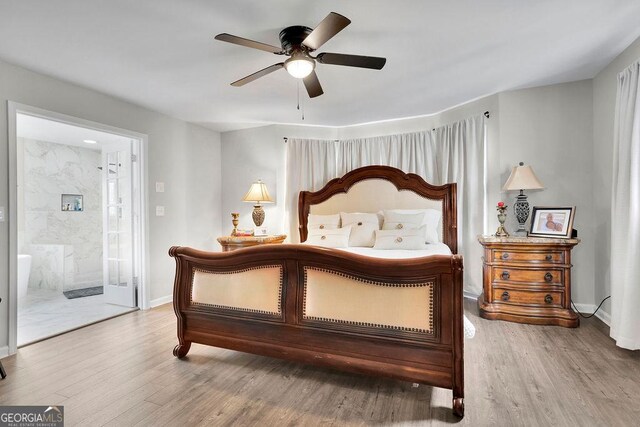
(260, 231)
(552, 222)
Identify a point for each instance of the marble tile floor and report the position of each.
(44, 313)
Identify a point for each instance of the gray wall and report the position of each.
(548, 127)
(259, 153)
(604, 104)
(183, 156)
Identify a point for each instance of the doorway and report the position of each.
(76, 223)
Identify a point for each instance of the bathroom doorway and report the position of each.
(78, 224)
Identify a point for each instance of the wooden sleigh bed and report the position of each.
(400, 318)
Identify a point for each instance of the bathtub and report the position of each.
(24, 270)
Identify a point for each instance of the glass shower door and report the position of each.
(119, 287)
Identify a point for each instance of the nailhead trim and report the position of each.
(249, 310)
(369, 282)
(370, 325)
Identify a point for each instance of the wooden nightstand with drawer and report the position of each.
(231, 243)
(527, 280)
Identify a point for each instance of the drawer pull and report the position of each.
(548, 257)
(548, 277)
(505, 255)
(505, 275)
(548, 299)
(505, 296)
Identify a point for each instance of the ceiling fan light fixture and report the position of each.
(299, 65)
(298, 42)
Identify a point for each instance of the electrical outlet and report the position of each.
(159, 210)
(1, 213)
(159, 187)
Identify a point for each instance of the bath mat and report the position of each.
(84, 292)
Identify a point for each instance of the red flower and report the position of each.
(500, 204)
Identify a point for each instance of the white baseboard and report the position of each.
(590, 308)
(160, 301)
(604, 316)
(585, 308)
(470, 295)
(4, 351)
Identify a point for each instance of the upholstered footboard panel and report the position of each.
(336, 299)
(253, 290)
(395, 318)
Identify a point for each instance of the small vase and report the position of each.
(234, 221)
(502, 217)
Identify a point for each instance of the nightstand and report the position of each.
(231, 243)
(527, 280)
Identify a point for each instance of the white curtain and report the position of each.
(625, 213)
(451, 153)
(311, 163)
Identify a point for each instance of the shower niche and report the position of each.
(72, 202)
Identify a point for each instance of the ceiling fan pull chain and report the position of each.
(298, 95)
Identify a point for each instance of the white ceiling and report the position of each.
(41, 129)
(161, 53)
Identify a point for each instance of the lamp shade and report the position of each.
(257, 193)
(522, 178)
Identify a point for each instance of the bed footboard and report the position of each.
(395, 318)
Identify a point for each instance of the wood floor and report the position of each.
(121, 373)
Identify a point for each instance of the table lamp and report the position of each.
(257, 193)
(522, 178)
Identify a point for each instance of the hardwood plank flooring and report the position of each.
(121, 373)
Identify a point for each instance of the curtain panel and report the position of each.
(451, 153)
(625, 213)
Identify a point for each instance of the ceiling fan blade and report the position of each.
(248, 43)
(373, 62)
(331, 25)
(312, 84)
(251, 77)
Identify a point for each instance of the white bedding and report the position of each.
(432, 249)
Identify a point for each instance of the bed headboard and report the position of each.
(375, 188)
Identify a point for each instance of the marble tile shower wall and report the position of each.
(66, 246)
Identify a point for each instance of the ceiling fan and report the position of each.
(298, 42)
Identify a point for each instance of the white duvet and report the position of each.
(432, 249)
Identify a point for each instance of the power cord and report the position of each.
(592, 314)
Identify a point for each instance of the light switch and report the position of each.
(1, 213)
(159, 187)
(159, 210)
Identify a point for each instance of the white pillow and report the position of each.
(398, 221)
(329, 238)
(363, 227)
(405, 238)
(431, 220)
(323, 222)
